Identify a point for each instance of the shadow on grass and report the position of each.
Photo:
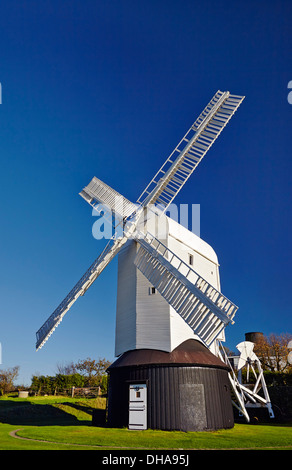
(26, 413)
(78, 407)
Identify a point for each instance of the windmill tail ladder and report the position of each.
(248, 397)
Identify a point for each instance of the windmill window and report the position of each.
(152, 290)
(191, 260)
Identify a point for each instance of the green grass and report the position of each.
(65, 424)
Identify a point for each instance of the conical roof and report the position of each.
(190, 352)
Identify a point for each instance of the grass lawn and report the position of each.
(58, 423)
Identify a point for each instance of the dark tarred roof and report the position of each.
(190, 352)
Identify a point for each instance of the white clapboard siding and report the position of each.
(142, 319)
(126, 300)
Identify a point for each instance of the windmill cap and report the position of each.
(194, 241)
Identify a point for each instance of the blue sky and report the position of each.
(107, 89)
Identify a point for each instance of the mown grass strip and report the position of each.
(62, 422)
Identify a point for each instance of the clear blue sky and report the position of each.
(107, 89)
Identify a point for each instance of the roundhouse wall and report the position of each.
(179, 397)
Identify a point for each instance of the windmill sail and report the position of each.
(111, 249)
(179, 166)
(206, 310)
(98, 193)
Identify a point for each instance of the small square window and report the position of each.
(152, 290)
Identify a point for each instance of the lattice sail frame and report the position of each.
(190, 151)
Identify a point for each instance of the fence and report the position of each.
(88, 392)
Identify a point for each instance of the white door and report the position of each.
(138, 406)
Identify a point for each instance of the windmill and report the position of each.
(187, 304)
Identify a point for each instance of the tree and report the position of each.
(93, 370)
(67, 369)
(7, 378)
(50, 385)
(43, 384)
(273, 352)
(225, 350)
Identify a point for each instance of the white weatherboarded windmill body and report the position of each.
(169, 300)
